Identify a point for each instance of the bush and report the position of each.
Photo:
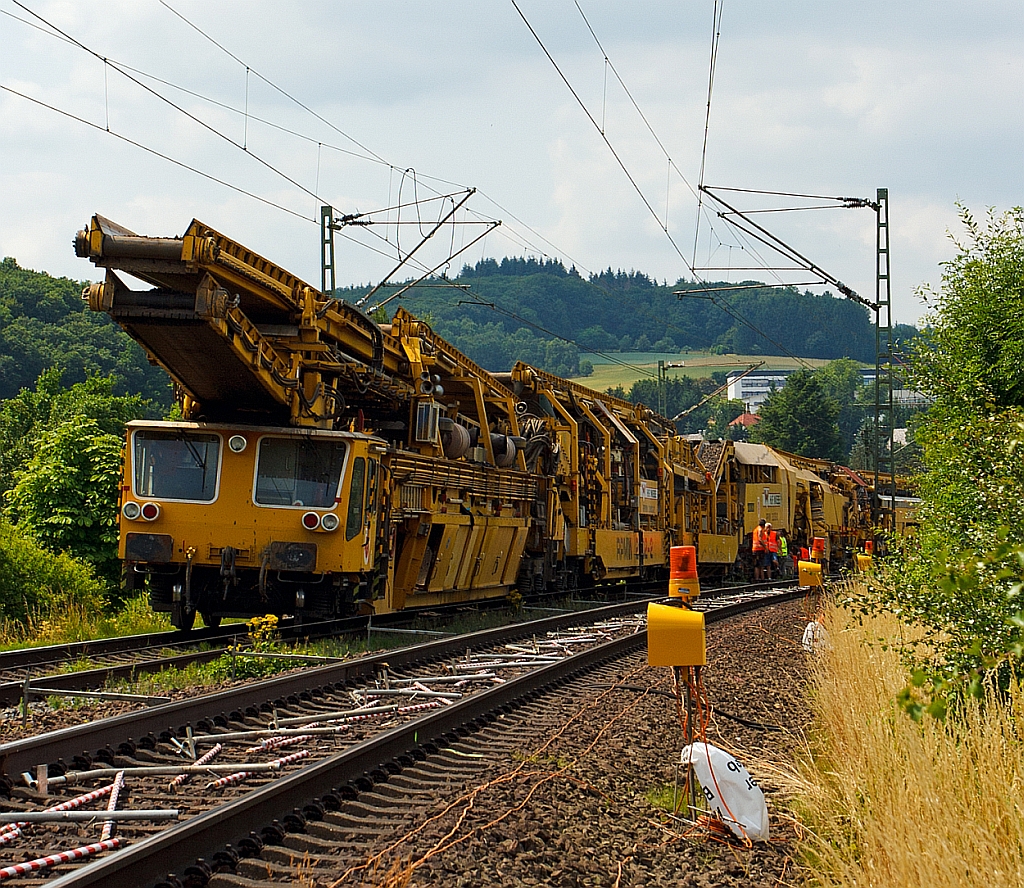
(35, 581)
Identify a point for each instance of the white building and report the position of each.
(753, 388)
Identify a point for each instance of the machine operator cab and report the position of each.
(212, 513)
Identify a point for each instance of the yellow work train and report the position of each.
(330, 465)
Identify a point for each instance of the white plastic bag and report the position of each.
(730, 790)
(815, 638)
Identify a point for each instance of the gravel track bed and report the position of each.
(557, 794)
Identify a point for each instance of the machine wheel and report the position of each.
(211, 620)
(182, 617)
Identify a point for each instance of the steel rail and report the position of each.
(22, 755)
(360, 766)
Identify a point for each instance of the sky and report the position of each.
(580, 124)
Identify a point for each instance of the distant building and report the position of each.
(754, 388)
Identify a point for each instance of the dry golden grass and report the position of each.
(891, 803)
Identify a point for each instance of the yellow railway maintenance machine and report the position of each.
(327, 464)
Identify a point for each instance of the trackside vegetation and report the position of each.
(890, 802)
(913, 775)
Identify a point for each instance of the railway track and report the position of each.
(110, 659)
(377, 716)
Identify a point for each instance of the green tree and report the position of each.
(800, 418)
(964, 580)
(29, 415)
(34, 579)
(842, 381)
(65, 496)
(44, 323)
(722, 412)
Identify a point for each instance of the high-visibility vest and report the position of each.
(757, 543)
(773, 541)
(783, 547)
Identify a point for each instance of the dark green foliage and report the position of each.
(800, 418)
(723, 411)
(66, 495)
(841, 380)
(60, 461)
(29, 416)
(34, 579)
(45, 323)
(681, 393)
(536, 301)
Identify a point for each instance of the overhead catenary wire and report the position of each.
(207, 126)
(372, 156)
(155, 153)
(716, 34)
(271, 83)
(56, 33)
(632, 179)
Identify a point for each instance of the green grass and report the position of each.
(662, 796)
(77, 622)
(644, 365)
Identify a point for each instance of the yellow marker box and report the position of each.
(675, 636)
(810, 573)
(863, 562)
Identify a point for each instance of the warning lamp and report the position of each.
(869, 546)
(683, 582)
(131, 510)
(329, 522)
(311, 520)
(150, 511)
(818, 549)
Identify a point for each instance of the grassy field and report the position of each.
(628, 367)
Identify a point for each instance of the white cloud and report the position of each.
(829, 98)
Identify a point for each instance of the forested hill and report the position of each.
(505, 311)
(498, 313)
(45, 323)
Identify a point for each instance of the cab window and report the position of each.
(300, 472)
(175, 465)
(355, 499)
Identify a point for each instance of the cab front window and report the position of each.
(175, 465)
(299, 472)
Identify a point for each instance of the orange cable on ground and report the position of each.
(469, 798)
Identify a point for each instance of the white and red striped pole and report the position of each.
(278, 743)
(115, 791)
(69, 805)
(204, 759)
(40, 863)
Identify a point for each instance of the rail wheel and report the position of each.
(211, 620)
(182, 616)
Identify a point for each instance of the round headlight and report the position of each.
(311, 520)
(131, 510)
(329, 521)
(150, 511)
(237, 443)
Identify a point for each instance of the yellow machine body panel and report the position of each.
(165, 466)
(717, 548)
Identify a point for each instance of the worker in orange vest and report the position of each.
(759, 546)
(773, 550)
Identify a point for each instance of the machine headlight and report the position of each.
(329, 521)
